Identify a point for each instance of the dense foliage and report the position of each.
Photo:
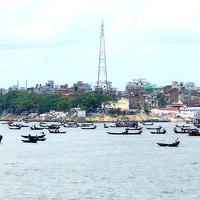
(161, 100)
(16, 102)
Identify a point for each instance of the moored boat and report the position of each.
(89, 127)
(180, 131)
(36, 128)
(194, 132)
(135, 128)
(159, 131)
(147, 123)
(154, 128)
(14, 127)
(56, 131)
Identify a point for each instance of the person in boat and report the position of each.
(158, 130)
(57, 129)
(136, 124)
(36, 137)
(29, 136)
(177, 140)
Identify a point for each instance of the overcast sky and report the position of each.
(59, 40)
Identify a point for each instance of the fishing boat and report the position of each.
(33, 136)
(188, 128)
(14, 127)
(56, 131)
(30, 141)
(175, 144)
(86, 124)
(36, 128)
(125, 133)
(180, 131)
(147, 123)
(71, 125)
(134, 128)
(154, 128)
(89, 127)
(183, 126)
(194, 132)
(158, 132)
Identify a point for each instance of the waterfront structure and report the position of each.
(81, 116)
(122, 103)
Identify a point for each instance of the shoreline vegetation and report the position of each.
(94, 118)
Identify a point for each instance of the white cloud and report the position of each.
(9, 3)
(168, 13)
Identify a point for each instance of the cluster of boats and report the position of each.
(191, 131)
(130, 128)
(52, 128)
(137, 130)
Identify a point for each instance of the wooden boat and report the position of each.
(14, 127)
(180, 131)
(125, 133)
(33, 136)
(36, 128)
(43, 124)
(56, 131)
(194, 132)
(68, 126)
(85, 124)
(188, 128)
(71, 125)
(183, 126)
(159, 132)
(147, 123)
(154, 128)
(22, 125)
(7, 122)
(30, 141)
(89, 127)
(52, 126)
(175, 144)
(135, 128)
(18, 125)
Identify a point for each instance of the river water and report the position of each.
(91, 164)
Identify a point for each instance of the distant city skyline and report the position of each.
(92, 86)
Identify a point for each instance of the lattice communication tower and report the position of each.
(102, 83)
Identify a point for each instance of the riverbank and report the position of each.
(95, 118)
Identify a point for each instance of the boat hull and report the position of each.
(168, 145)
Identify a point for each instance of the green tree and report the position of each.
(90, 101)
(161, 100)
(64, 104)
(145, 107)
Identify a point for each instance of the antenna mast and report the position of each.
(102, 83)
